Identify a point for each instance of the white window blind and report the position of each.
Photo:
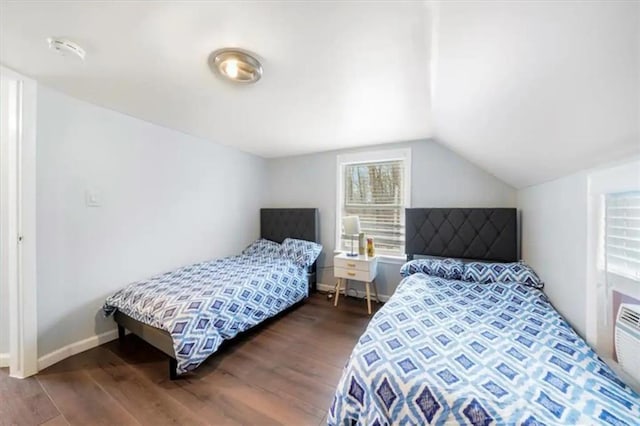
(622, 234)
(375, 192)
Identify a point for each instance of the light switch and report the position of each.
(93, 198)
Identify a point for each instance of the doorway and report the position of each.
(18, 303)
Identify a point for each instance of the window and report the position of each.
(622, 234)
(613, 243)
(375, 187)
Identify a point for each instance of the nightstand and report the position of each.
(357, 268)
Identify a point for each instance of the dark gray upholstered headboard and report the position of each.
(488, 234)
(278, 224)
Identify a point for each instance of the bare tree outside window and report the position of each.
(375, 192)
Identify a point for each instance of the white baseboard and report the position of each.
(75, 348)
(4, 360)
(93, 341)
(352, 292)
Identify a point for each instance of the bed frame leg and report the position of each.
(120, 334)
(173, 367)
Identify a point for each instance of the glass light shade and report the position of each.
(236, 65)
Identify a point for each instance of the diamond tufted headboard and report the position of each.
(488, 234)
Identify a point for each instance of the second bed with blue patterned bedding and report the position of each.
(204, 304)
(445, 351)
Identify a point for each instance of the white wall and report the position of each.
(559, 240)
(440, 178)
(168, 199)
(554, 241)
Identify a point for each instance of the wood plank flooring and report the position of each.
(284, 372)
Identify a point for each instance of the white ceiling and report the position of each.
(530, 91)
(336, 74)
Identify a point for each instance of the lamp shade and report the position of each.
(351, 225)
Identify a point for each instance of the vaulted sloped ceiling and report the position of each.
(530, 91)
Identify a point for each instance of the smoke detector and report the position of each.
(66, 47)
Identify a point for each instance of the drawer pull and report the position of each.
(351, 274)
(351, 265)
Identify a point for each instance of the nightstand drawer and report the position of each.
(353, 264)
(352, 274)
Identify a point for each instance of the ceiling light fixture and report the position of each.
(236, 65)
(66, 47)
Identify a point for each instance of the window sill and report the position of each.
(623, 284)
(622, 275)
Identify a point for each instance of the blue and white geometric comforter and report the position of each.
(202, 305)
(454, 352)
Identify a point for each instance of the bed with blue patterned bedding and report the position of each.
(202, 305)
(453, 352)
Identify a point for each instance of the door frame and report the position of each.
(18, 219)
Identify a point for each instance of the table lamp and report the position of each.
(351, 227)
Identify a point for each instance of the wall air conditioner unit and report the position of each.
(628, 339)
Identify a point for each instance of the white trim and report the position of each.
(595, 291)
(4, 360)
(18, 204)
(370, 156)
(623, 285)
(375, 156)
(76, 348)
(330, 288)
(8, 195)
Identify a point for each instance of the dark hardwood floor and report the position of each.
(284, 372)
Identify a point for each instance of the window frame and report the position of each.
(615, 178)
(615, 273)
(403, 154)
